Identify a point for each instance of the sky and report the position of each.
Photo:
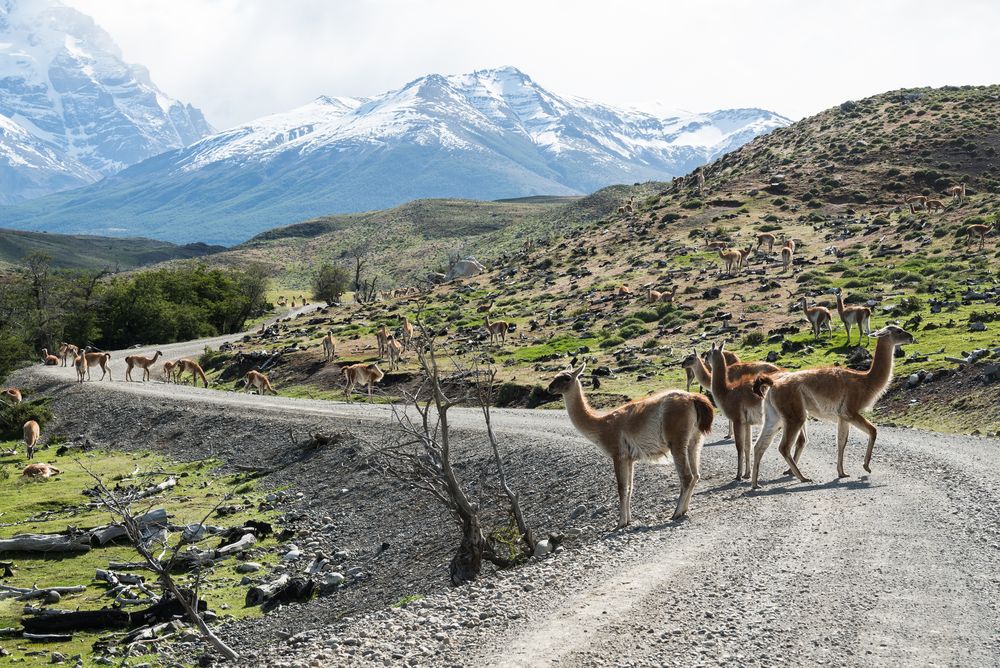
(241, 59)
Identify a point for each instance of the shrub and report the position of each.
(647, 315)
(13, 417)
(753, 339)
(631, 331)
(693, 204)
(612, 341)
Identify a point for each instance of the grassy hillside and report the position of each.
(833, 182)
(88, 252)
(406, 242)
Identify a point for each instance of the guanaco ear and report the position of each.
(579, 372)
(722, 345)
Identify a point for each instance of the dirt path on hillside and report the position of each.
(899, 567)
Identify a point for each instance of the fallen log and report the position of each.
(22, 594)
(259, 594)
(243, 543)
(36, 542)
(106, 618)
(154, 519)
(47, 637)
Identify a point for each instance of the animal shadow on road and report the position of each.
(773, 486)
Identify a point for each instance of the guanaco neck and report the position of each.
(840, 304)
(581, 414)
(880, 372)
(719, 381)
(701, 372)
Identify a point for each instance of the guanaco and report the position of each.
(361, 374)
(654, 296)
(381, 338)
(169, 371)
(49, 360)
(919, 200)
(68, 351)
(13, 395)
(258, 381)
(860, 316)
(329, 346)
(624, 291)
(486, 308)
(957, 192)
(831, 394)
(40, 470)
(395, 350)
(497, 329)
(695, 366)
(31, 434)
(744, 256)
(189, 365)
(142, 362)
(980, 231)
(671, 421)
(766, 238)
(101, 360)
(738, 402)
(818, 317)
(82, 368)
(934, 205)
(730, 258)
(786, 255)
(406, 333)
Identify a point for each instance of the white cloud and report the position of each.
(240, 59)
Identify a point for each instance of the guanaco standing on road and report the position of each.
(669, 422)
(101, 360)
(142, 362)
(831, 394)
(67, 351)
(82, 368)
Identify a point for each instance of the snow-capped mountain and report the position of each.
(29, 168)
(63, 81)
(486, 135)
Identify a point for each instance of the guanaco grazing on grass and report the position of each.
(31, 432)
(497, 329)
(914, 201)
(935, 205)
(188, 365)
(258, 381)
(818, 317)
(766, 238)
(831, 394)
(143, 363)
(669, 422)
(973, 231)
(860, 316)
(787, 251)
(361, 374)
(957, 192)
(101, 360)
(329, 346)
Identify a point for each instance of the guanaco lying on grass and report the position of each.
(831, 394)
(669, 422)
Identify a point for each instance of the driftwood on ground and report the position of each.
(33, 542)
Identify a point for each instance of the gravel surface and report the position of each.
(899, 567)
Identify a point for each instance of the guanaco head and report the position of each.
(691, 360)
(376, 373)
(716, 357)
(566, 380)
(897, 335)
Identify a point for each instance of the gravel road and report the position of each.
(900, 567)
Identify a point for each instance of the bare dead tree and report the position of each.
(122, 509)
(422, 456)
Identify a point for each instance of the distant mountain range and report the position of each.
(490, 134)
(71, 110)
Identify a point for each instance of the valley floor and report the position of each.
(893, 568)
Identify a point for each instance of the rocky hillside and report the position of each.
(834, 183)
(485, 135)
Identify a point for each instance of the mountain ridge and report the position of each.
(486, 135)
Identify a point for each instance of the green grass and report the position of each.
(199, 488)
